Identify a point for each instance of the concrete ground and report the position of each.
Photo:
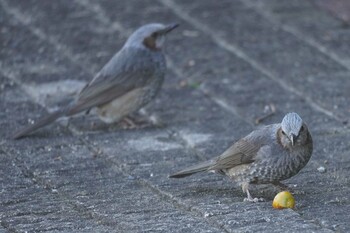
(230, 63)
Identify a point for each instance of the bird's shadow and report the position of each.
(216, 191)
(84, 124)
(92, 124)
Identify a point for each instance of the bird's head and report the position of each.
(150, 36)
(293, 131)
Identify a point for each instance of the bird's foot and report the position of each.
(129, 123)
(256, 199)
(249, 197)
(138, 122)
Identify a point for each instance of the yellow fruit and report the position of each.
(283, 200)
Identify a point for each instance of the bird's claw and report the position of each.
(254, 199)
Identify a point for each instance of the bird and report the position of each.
(126, 83)
(267, 155)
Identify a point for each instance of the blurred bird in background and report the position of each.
(130, 80)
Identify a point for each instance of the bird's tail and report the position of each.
(40, 123)
(205, 166)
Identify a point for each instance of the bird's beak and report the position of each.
(293, 138)
(169, 28)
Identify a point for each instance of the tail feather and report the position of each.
(40, 123)
(205, 166)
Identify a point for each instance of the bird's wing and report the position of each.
(242, 152)
(126, 71)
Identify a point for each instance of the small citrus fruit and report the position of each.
(283, 200)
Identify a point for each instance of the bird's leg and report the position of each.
(249, 198)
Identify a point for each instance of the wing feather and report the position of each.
(242, 152)
(127, 70)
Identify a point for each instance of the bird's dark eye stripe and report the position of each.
(283, 132)
(302, 128)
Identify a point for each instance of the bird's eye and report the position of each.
(302, 128)
(283, 132)
(154, 34)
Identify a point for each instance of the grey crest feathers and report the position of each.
(292, 123)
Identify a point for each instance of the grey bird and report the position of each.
(130, 80)
(267, 155)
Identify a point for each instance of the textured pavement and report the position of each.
(229, 63)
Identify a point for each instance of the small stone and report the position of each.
(321, 169)
(206, 214)
(183, 83)
(191, 63)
